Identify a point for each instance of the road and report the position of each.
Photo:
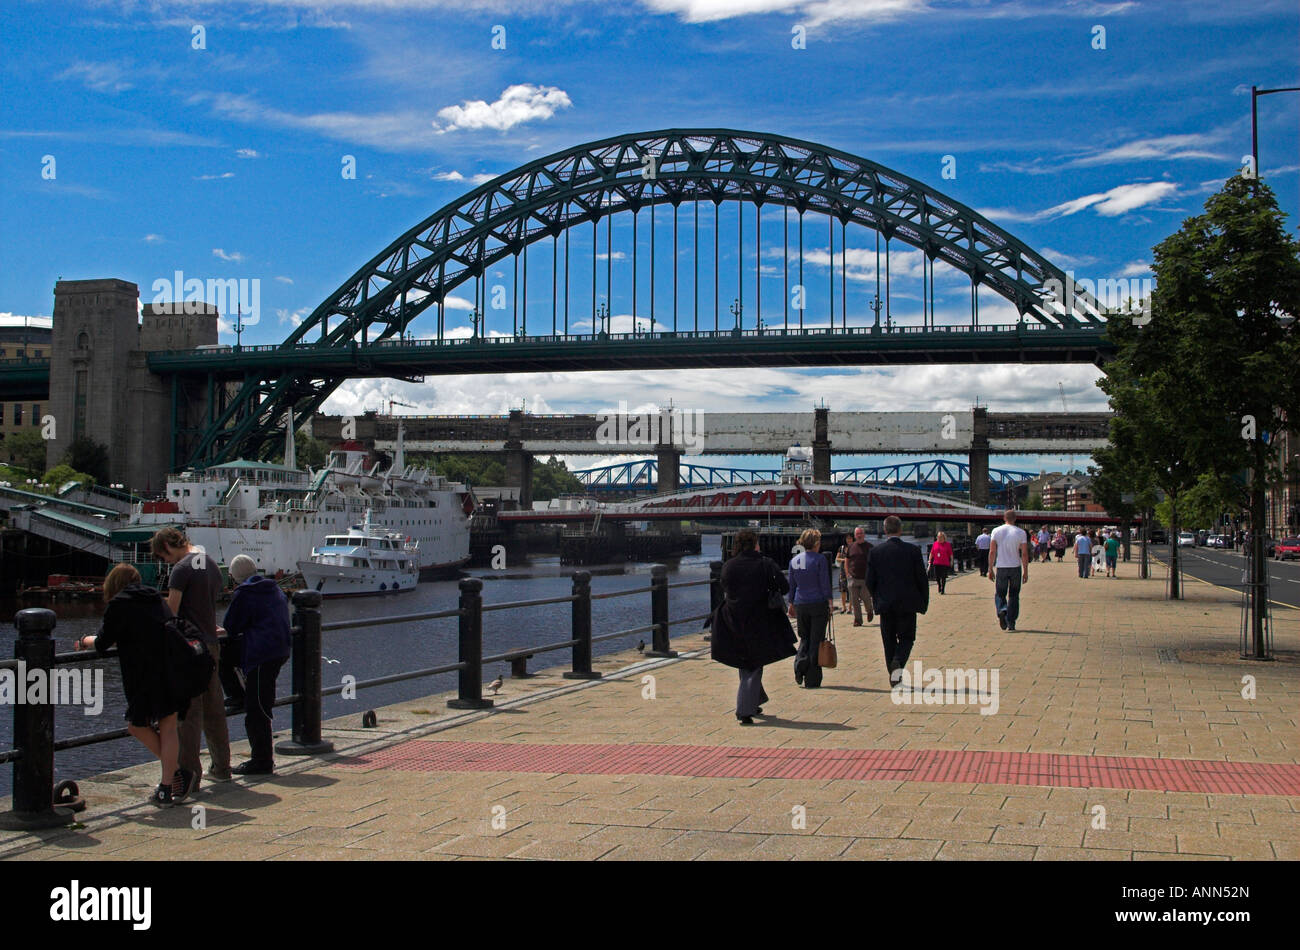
(1226, 569)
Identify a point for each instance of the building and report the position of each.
(1283, 518)
(22, 338)
(1056, 491)
(1078, 496)
(100, 384)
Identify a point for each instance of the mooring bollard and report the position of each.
(306, 679)
(581, 629)
(470, 692)
(659, 612)
(33, 797)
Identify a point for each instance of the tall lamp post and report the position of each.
(1255, 93)
(737, 309)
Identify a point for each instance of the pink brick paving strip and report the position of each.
(996, 768)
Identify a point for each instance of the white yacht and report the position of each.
(366, 560)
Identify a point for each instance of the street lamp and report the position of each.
(737, 308)
(1255, 93)
(475, 318)
(876, 306)
(602, 314)
(239, 326)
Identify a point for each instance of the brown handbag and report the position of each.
(827, 657)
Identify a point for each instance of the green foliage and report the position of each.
(310, 452)
(60, 475)
(87, 456)
(1033, 503)
(28, 451)
(472, 468)
(552, 479)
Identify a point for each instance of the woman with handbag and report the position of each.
(750, 628)
(135, 622)
(811, 600)
(941, 560)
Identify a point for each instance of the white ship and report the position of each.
(366, 560)
(276, 514)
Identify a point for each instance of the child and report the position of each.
(133, 622)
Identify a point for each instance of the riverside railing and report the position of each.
(38, 803)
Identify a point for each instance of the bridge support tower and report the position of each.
(519, 463)
(821, 445)
(979, 458)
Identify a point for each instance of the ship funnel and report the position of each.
(399, 456)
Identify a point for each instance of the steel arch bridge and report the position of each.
(362, 329)
(935, 475)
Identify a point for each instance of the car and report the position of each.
(1287, 549)
(1186, 539)
(1217, 541)
(1158, 536)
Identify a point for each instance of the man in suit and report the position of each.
(899, 589)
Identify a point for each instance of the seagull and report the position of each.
(640, 647)
(328, 660)
(495, 686)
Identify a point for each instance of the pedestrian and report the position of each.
(941, 560)
(899, 589)
(748, 632)
(811, 599)
(842, 567)
(134, 622)
(856, 560)
(1112, 554)
(1083, 553)
(257, 624)
(1059, 545)
(982, 543)
(192, 589)
(1008, 568)
(1098, 552)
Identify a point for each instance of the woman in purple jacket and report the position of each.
(811, 600)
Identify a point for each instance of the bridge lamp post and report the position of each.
(475, 318)
(876, 306)
(737, 309)
(602, 314)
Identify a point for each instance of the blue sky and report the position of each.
(225, 161)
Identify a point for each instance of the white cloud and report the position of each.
(214, 177)
(232, 257)
(294, 317)
(476, 179)
(1135, 269)
(1108, 204)
(1165, 147)
(385, 130)
(519, 103)
(248, 153)
(17, 320)
(152, 239)
(101, 77)
(285, 280)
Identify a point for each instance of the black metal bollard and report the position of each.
(581, 629)
(306, 738)
(659, 612)
(33, 798)
(470, 693)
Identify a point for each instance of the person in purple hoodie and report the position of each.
(811, 600)
(257, 623)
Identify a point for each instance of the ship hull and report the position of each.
(342, 581)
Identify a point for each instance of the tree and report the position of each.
(87, 456)
(28, 450)
(1201, 387)
(60, 475)
(1034, 502)
(552, 479)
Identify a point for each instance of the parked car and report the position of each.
(1287, 549)
(1158, 536)
(1186, 539)
(1217, 541)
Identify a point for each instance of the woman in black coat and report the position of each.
(747, 633)
(133, 622)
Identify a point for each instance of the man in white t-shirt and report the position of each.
(1008, 568)
(982, 551)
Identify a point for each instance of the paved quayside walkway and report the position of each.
(1121, 732)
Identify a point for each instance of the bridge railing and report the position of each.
(38, 802)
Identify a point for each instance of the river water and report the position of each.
(372, 651)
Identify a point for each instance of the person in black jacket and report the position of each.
(134, 622)
(747, 633)
(257, 623)
(896, 581)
